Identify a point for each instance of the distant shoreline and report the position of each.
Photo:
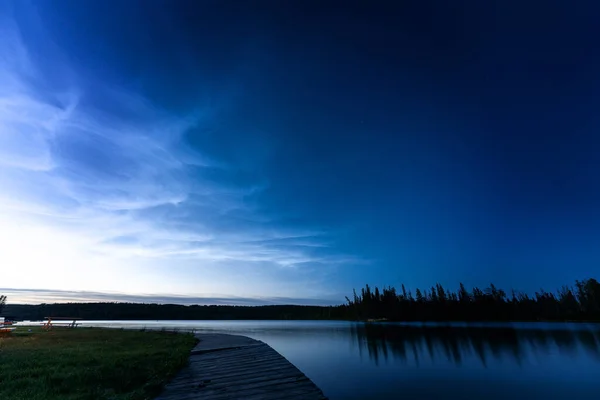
(578, 303)
(453, 323)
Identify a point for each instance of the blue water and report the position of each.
(413, 361)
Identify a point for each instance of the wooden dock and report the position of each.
(231, 367)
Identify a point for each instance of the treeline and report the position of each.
(137, 311)
(579, 302)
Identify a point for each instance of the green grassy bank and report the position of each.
(89, 363)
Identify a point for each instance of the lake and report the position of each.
(427, 361)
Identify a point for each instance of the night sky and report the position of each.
(289, 151)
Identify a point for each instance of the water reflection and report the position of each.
(414, 344)
(388, 361)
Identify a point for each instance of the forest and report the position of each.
(140, 311)
(580, 302)
(571, 303)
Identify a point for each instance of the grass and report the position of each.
(89, 363)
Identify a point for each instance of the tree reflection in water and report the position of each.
(414, 343)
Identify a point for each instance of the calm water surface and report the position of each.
(414, 361)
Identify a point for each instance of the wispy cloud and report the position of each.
(101, 190)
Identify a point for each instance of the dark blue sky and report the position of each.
(319, 145)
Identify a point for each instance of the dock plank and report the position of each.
(265, 358)
(231, 367)
(240, 375)
(271, 370)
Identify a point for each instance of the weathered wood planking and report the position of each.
(232, 367)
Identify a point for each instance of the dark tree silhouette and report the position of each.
(578, 303)
(137, 311)
(2, 302)
(489, 304)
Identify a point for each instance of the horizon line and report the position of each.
(51, 296)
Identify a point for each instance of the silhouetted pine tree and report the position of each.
(490, 304)
(2, 302)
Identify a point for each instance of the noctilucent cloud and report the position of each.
(274, 151)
